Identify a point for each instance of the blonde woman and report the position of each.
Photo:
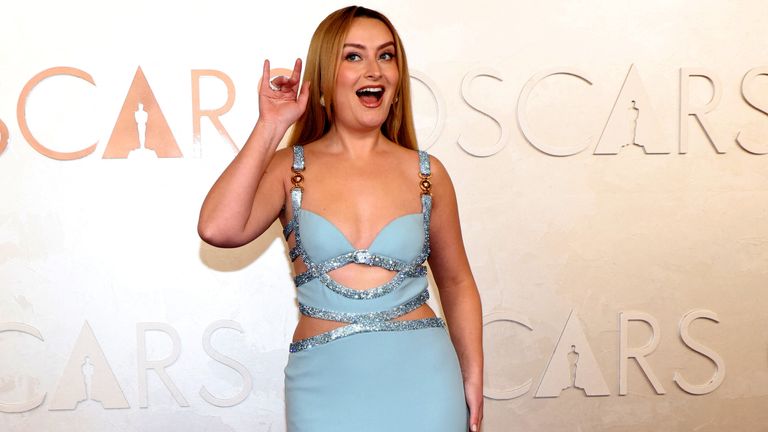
(362, 210)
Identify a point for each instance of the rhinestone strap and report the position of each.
(372, 293)
(424, 168)
(426, 211)
(366, 317)
(289, 227)
(351, 329)
(361, 256)
(293, 224)
(425, 174)
(298, 158)
(296, 252)
(297, 179)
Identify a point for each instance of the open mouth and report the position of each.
(370, 96)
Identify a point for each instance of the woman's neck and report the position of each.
(354, 143)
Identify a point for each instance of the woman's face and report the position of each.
(367, 76)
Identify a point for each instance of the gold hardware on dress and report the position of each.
(425, 184)
(296, 179)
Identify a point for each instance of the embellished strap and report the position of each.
(289, 227)
(360, 256)
(405, 269)
(292, 224)
(376, 292)
(296, 252)
(366, 317)
(377, 326)
(319, 271)
(298, 158)
(297, 179)
(426, 212)
(425, 173)
(424, 168)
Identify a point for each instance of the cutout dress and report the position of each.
(374, 374)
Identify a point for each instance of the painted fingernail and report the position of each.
(474, 428)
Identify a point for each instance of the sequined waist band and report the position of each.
(352, 329)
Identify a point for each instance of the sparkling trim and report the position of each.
(361, 256)
(426, 210)
(424, 168)
(352, 329)
(361, 322)
(375, 292)
(296, 204)
(366, 317)
(298, 158)
(305, 277)
(314, 270)
(298, 165)
(298, 249)
(289, 228)
(295, 252)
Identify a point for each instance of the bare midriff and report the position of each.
(355, 276)
(308, 326)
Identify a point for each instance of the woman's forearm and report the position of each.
(232, 214)
(228, 205)
(463, 313)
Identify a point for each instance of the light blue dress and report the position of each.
(374, 374)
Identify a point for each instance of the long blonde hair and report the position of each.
(321, 67)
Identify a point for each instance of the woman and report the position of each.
(368, 353)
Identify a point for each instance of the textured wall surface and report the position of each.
(608, 160)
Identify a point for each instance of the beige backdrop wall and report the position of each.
(603, 219)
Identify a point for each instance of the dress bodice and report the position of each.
(401, 246)
(401, 238)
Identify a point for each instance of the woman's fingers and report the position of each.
(283, 83)
(293, 80)
(296, 75)
(265, 74)
(304, 96)
(280, 98)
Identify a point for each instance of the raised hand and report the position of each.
(282, 102)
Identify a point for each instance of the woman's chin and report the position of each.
(372, 122)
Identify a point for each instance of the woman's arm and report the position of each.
(248, 196)
(458, 291)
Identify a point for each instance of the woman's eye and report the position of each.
(387, 56)
(352, 57)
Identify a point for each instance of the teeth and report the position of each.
(371, 90)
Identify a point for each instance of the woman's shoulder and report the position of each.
(442, 189)
(428, 161)
(281, 162)
(282, 157)
(424, 160)
(315, 146)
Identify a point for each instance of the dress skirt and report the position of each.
(404, 381)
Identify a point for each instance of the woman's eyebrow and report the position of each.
(360, 46)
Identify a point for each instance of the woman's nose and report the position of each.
(373, 69)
